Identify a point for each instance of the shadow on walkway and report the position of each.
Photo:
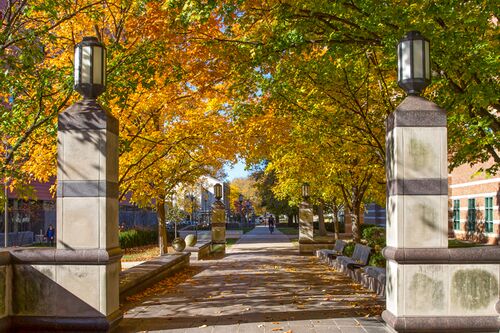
(256, 282)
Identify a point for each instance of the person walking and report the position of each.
(51, 235)
(270, 222)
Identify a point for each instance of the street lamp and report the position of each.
(90, 68)
(191, 197)
(218, 191)
(240, 199)
(305, 191)
(205, 198)
(414, 68)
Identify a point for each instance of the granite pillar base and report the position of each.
(442, 324)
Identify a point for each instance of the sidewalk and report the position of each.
(262, 285)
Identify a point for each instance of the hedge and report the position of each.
(141, 237)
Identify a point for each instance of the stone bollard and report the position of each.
(219, 227)
(306, 228)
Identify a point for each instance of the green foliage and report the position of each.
(375, 238)
(349, 249)
(377, 259)
(138, 237)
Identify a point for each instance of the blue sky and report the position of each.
(237, 171)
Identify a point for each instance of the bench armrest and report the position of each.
(354, 265)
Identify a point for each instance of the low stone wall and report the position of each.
(140, 277)
(445, 289)
(307, 246)
(200, 251)
(37, 287)
(5, 290)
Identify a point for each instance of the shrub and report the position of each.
(377, 259)
(374, 236)
(137, 237)
(349, 249)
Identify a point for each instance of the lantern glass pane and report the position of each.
(399, 62)
(105, 66)
(86, 63)
(427, 60)
(418, 61)
(77, 65)
(97, 65)
(405, 60)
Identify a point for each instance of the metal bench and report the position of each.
(373, 278)
(328, 255)
(359, 259)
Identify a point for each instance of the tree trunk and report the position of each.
(162, 230)
(321, 220)
(335, 212)
(290, 220)
(356, 235)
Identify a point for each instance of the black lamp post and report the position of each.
(305, 191)
(191, 197)
(240, 199)
(205, 198)
(414, 67)
(90, 68)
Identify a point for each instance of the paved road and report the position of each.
(262, 285)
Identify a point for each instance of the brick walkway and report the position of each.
(262, 285)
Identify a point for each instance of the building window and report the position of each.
(471, 215)
(456, 214)
(488, 214)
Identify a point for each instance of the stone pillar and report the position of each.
(347, 221)
(87, 211)
(219, 227)
(429, 287)
(306, 227)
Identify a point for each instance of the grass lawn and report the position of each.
(289, 231)
(455, 243)
(141, 253)
(246, 229)
(144, 253)
(230, 242)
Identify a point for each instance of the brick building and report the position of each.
(473, 202)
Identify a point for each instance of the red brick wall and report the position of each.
(468, 182)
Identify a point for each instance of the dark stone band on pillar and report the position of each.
(416, 111)
(65, 257)
(472, 255)
(87, 115)
(426, 186)
(442, 323)
(70, 324)
(87, 188)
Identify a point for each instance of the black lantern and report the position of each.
(414, 65)
(218, 191)
(90, 67)
(305, 191)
